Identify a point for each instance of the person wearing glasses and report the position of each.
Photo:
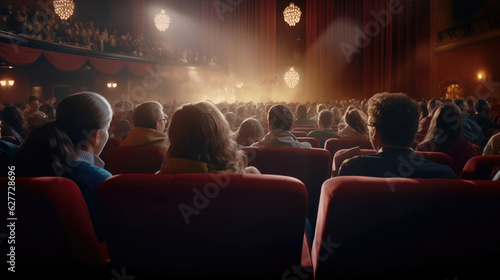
(150, 124)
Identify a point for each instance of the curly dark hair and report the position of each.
(395, 116)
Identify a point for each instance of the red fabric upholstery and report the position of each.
(112, 142)
(311, 166)
(306, 129)
(314, 142)
(335, 144)
(146, 160)
(479, 168)
(53, 231)
(299, 133)
(490, 132)
(398, 228)
(244, 141)
(240, 225)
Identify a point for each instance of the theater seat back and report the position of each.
(53, 231)
(311, 166)
(200, 225)
(480, 168)
(393, 228)
(144, 160)
(335, 144)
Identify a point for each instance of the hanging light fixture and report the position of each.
(64, 8)
(292, 78)
(162, 21)
(292, 14)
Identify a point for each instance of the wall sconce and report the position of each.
(112, 85)
(7, 83)
(480, 76)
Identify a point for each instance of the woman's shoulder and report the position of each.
(83, 168)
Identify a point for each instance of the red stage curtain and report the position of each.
(332, 71)
(65, 61)
(107, 66)
(18, 55)
(139, 69)
(243, 31)
(394, 55)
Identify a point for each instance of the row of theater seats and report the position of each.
(192, 226)
(311, 166)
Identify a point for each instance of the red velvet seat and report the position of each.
(490, 132)
(54, 236)
(313, 141)
(306, 129)
(299, 133)
(244, 141)
(335, 144)
(145, 160)
(480, 168)
(112, 142)
(398, 228)
(436, 157)
(311, 166)
(200, 225)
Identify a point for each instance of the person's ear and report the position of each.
(157, 127)
(95, 137)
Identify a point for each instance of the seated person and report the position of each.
(325, 132)
(483, 108)
(14, 128)
(446, 135)
(493, 146)
(302, 119)
(280, 121)
(149, 127)
(392, 124)
(472, 130)
(353, 124)
(201, 142)
(33, 115)
(69, 147)
(424, 123)
(7, 156)
(249, 129)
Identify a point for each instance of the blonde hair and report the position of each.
(199, 131)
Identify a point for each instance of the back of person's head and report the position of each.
(357, 120)
(13, 116)
(148, 114)
(423, 109)
(49, 110)
(320, 107)
(433, 104)
(280, 117)
(199, 131)
(337, 116)
(82, 114)
(326, 119)
(51, 148)
(250, 128)
(481, 106)
(461, 104)
(395, 116)
(241, 111)
(446, 126)
(301, 112)
(230, 118)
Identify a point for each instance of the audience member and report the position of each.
(483, 108)
(472, 130)
(34, 116)
(230, 118)
(424, 123)
(393, 123)
(14, 128)
(50, 111)
(70, 146)
(302, 119)
(150, 123)
(354, 125)
(249, 129)
(325, 123)
(493, 146)
(445, 135)
(280, 122)
(201, 142)
(7, 156)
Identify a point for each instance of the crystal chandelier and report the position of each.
(292, 14)
(64, 8)
(162, 21)
(292, 78)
